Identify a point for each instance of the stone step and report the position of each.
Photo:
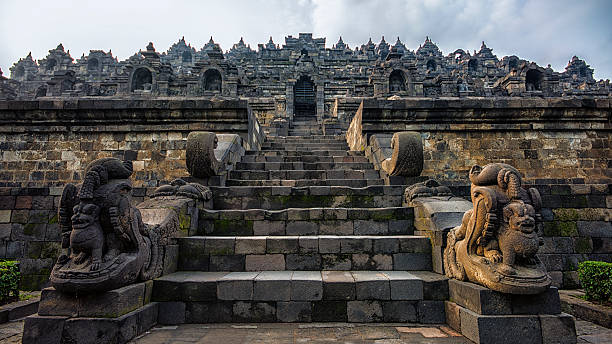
(331, 139)
(304, 296)
(304, 132)
(304, 166)
(307, 221)
(303, 174)
(313, 252)
(305, 146)
(355, 183)
(302, 152)
(305, 159)
(312, 137)
(283, 197)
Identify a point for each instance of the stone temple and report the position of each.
(300, 183)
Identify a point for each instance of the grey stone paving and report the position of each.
(10, 333)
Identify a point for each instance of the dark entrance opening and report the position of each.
(304, 98)
(51, 64)
(92, 64)
(431, 65)
(472, 65)
(533, 80)
(397, 83)
(186, 56)
(142, 79)
(212, 80)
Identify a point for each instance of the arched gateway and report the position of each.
(304, 98)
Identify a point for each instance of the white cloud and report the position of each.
(542, 31)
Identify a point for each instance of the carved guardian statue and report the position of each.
(105, 242)
(497, 241)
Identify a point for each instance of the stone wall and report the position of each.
(46, 144)
(562, 146)
(545, 139)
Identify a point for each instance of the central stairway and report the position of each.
(304, 231)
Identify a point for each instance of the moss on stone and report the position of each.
(551, 229)
(569, 228)
(566, 214)
(583, 245)
(53, 219)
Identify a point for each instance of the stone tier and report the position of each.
(304, 159)
(305, 152)
(313, 221)
(486, 316)
(300, 165)
(255, 253)
(319, 175)
(283, 197)
(304, 296)
(354, 183)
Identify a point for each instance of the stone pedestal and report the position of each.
(486, 316)
(115, 316)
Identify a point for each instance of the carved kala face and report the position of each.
(85, 215)
(520, 217)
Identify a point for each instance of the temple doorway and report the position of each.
(304, 99)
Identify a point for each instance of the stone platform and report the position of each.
(486, 316)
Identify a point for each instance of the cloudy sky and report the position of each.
(547, 32)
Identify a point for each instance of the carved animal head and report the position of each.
(85, 215)
(520, 217)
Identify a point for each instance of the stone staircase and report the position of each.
(304, 231)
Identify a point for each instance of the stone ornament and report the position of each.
(407, 157)
(428, 188)
(200, 155)
(497, 241)
(105, 242)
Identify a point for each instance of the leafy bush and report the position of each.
(596, 279)
(9, 281)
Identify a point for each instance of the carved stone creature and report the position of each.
(200, 154)
(497, 242)
(104, 241)
(407, 157)
(427, 188)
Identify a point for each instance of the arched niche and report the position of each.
(397, 81)
(92, 64)
(473, 65)
(533, 80)
(51, 63)
(212, 80)
(186, 57)
(512, 64)
(142, 79)
(431, 65)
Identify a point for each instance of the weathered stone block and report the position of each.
(254, 312)
(404, 285)
(370, 227)
(303, 262)
(147, 317)
(302, 228)
(399, 311)
(547, 302)
(336, 261)
(52, 302)
(453, 317)
(412, 261)
(251, 245)
(355, 244)
(502, 329)
(294, 311)
(40, 329)
(558, 329)
(325, 311)
(286, 244)
(273, 286)
(236, 286)
(329, 244)
(364, 311)
(265, 262)
(208, 312)
(306, 286)
(227, 263)
(269, 228)
(338, 285)
(371, 285)
(431, 312)
(308, 245)
(200, 286)
(171, 313)
(479, 299)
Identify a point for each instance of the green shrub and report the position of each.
(9, 281)
(596, 279)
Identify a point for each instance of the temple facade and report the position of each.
(302, 76)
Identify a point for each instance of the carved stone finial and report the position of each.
(407, 158)
(497, 241)
(200, 156)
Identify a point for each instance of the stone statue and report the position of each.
(200, 154)
(105, 242)
(497, 241)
